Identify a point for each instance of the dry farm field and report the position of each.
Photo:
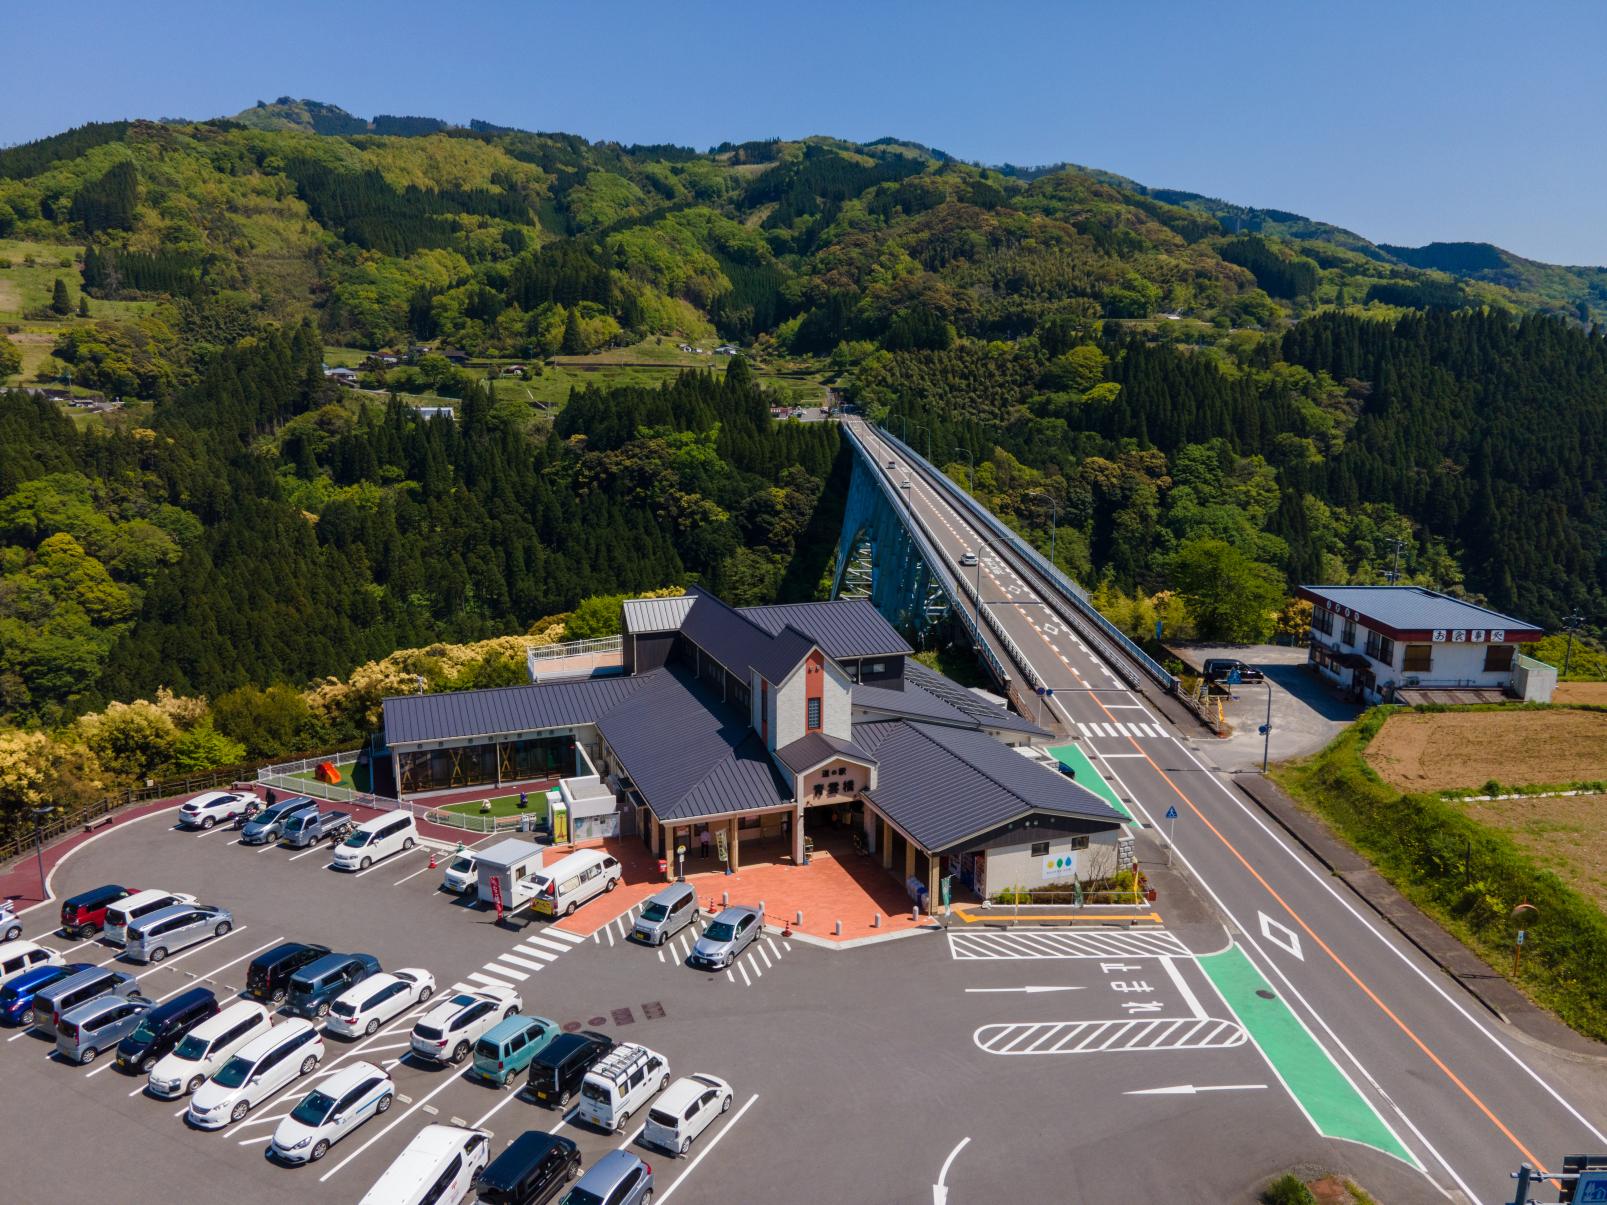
(1450, 750)
(1560, 832)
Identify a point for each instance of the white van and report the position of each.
(620, 1084)
(569, 882)
(206, 1048)
(141, 903)
(436, 1168)
(375, 840)
(20, 957)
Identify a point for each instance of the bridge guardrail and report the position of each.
(1126, 651)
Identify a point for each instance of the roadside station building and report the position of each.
(1407, 644)
(768, 729)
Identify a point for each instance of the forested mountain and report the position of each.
(1168, 380)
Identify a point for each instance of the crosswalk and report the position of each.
(1151, 732)
(1093, 1037)
(1066, 943)
(513, 967)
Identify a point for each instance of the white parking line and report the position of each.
(660, 955)
(746, 982)
(764, 954)
(713, 1142)
(200, 949)
(382, 862)
(631, 1137)
(411, 1109)
(216, 970)
(609, 930)
(564, 1120)
(311, 849)
(489, 1113)
(771, 942)
(414, 875)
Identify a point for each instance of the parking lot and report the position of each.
(992, 1065)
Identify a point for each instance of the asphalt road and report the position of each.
(974, 1066)
(1467, 1097)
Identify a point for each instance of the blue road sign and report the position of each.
(1263, 729)
(1171, 813)
(1040, 690)
(1233, 678)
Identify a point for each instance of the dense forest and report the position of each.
(1172, 390)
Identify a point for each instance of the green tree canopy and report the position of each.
(1229, 596)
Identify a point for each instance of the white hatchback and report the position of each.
(684, 1110)
(211, 807)
(361, 1010)
(449, 1031)
(331, 1111)
(274, 1061)
(206, 1048)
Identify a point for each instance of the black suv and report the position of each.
(556, 1073)
(268, 977)
(530, 1172)
(1217, 669)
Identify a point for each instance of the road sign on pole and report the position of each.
(1171, 831)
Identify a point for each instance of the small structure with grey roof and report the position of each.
(1414, 645)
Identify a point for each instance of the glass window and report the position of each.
(813, 720)
(1498, 657)
(1349, 633)
(313, 1109)
(719, 931)
(1419, 658)
(1322, 620)
(1040, 849)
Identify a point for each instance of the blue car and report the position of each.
(16, 998)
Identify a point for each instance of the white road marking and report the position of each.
(217, 970)
(567, 936)
(746, 982)
(311, 849)
(1182, 987)
(413, 1108)
(764, 955)
(699, 1157)
(491, 1112)
(486, 979)
(522, 962)
(200, 949)
(544, 944)
(521, 976)
(382, 862)
(1281, 935)
(414, 875)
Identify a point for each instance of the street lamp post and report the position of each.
(1573, 624)
(970, 468)
(39, 815)
(1054, 520)
(928, 430)
(1266, 730)
(680, 862)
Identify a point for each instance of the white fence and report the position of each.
(574, 658)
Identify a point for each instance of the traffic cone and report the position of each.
(432, 858)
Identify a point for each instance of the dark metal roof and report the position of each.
(738, 643)
(942, 785)
(928, 695)
(687, 753)
(843, 628)
(456, 715)
(1415, 609)
(656, 614)
(813, 748)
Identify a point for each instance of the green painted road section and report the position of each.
(1335, 1107)
(1089, 777)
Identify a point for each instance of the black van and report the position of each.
(530, 1171)
(556, 1072)
(163, 1027)
(268, 977)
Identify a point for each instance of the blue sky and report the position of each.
(1407, 122)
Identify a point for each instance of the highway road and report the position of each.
(1449, 1087)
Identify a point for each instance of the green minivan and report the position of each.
(507, 1049)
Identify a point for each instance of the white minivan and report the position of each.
(141, 903)
(375, 840)
(621, 1083)
(206, 1048)
(262, 1067)
(436, 1168)
(20, 957)
(569, 882)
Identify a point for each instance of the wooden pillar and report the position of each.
(909, 861)
(736, 862)
(653, 838)
(884, 834)
(934, 871)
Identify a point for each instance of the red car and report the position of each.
(85, 913)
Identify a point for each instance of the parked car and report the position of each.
(362, 1009)
(268, 825)
(449, 1031)
(206, 1048)
(618, 1178)
(686, 1108)
(1217, 669)
(308, 828)
(530, 1171)
(262, 1067)
(83, 1033)
(507, 1048)
(19, 997)
(620, 1084)
(206, 809)
(315, 987)
(437, 1168)
(375, 840)
(461, 875)
(10, 925)
(137, 906)
(968, 560)
(164, 1027)
(268, 976)
(17, 958)
(726, 936)
(152, 938)
(558, 1070)
(330, 1111)
(60, 998)
(666, 913)
(569, 882)
(85, 913)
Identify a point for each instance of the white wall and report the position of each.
(1015, 866)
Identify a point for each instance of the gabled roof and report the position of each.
(843, 628)
(687, 753)
(989, 715)
(930, 696)
(813, 748)
(656, 614)
(739, 644)
(456, 715)
(941, 785)
(1415, 613)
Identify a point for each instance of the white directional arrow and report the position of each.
(1031, 987)
(1192, 1089)
(940, 1192)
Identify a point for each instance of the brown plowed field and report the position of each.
(1437, 751)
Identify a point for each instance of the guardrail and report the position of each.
(1104, 633)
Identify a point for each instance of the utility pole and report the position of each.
(1572, 623)
(39, 815)
(1394, 574)
(977, 597)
